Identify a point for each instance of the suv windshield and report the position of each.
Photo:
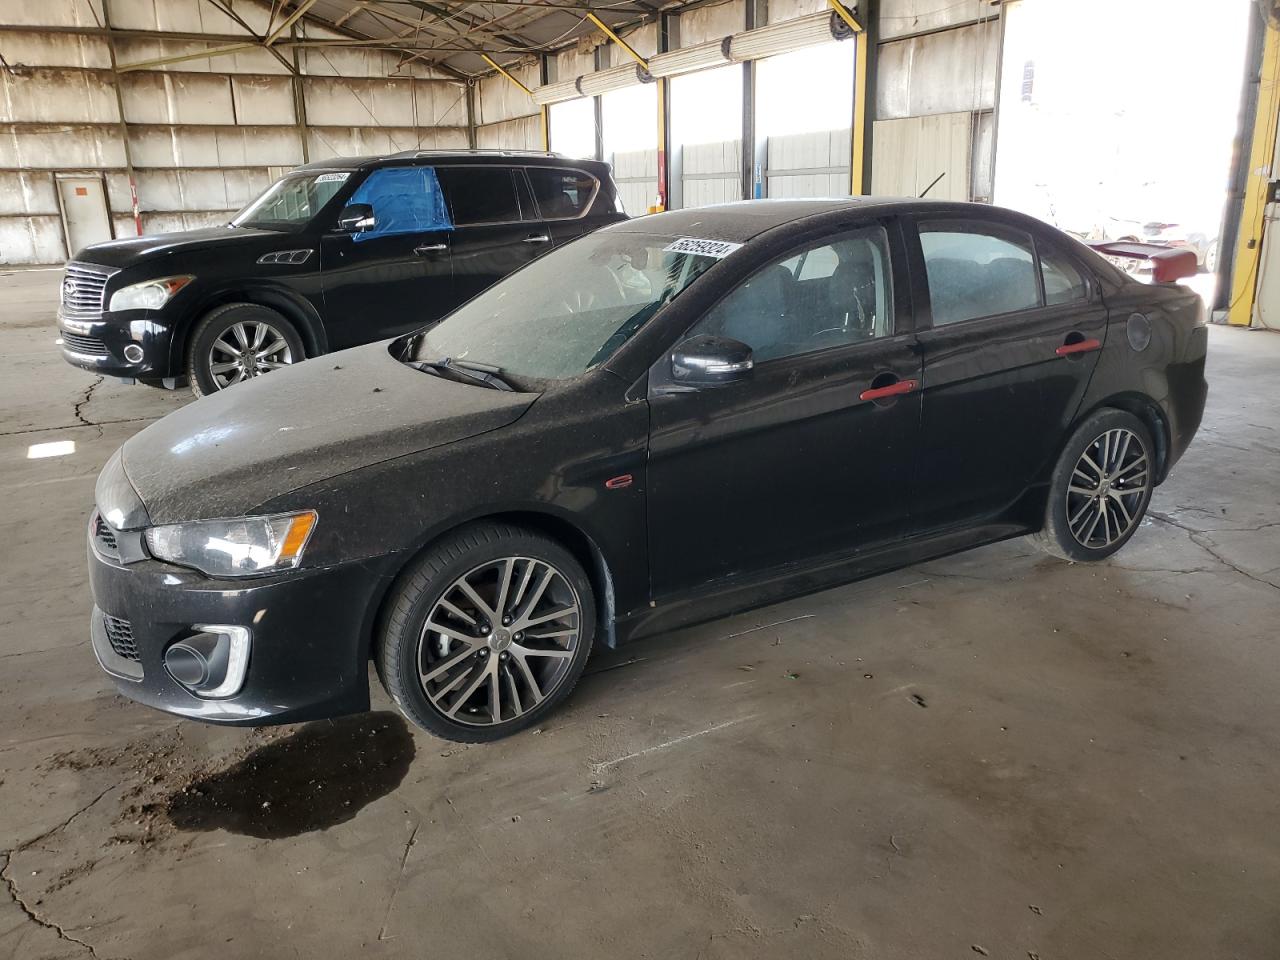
(293, 201)
(569, 311)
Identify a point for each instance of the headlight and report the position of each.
(150, 295)
(235, 548)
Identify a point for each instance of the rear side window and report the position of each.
(404, 200)
(978, 270)
(562, 194)
(480, 194)
(1063, 283)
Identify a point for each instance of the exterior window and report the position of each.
(978, 270)
(1063, 283)
(404, 200)
(828, 295)
(561, 194)
(480, 194)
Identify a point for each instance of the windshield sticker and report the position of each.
(332, 177)
(702, 248)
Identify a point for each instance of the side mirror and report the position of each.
(356, 218)
(710, 361)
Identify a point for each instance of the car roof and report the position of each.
(477, 157)
(743, 220)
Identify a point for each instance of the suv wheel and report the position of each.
(237, 342)
(487, 633)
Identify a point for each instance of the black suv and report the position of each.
(335, 254)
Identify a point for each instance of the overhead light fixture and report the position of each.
(54, 448)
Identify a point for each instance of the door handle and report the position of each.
(431, 248)
(1079, 346)
(895, 389)
(539, 239)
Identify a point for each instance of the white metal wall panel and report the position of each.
(498, 99)
(54, 50)
(31, 240)
(780, 10)
(262, 100)
(194, 147)
(131, 50)
(52, 95)
(809, 164)
(712, 23)
(524, 133)
(636, 174)
(55, 13)
(898, 17)
(60, 147)
(27, 192)
(333, 101)
(711, 173)
(909, 153)
(186, 16)
(185, 98)
(940, 73)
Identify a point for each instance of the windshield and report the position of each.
(293, 201)
(568, 312)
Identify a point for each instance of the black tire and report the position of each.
(1069, 512)
(220, 321)
(403, 643)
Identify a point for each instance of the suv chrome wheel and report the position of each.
(247, 349)
(499, 641)
(1108, 489)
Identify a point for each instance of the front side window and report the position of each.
(562, 194)
(978, 270)
(568, 311)
(829, 295)
(480, 194)
(404, 200)
(293, 201)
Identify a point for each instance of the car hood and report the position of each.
(126, 252)
(228, 454)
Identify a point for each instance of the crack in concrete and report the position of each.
(391, 901)
(1198, 537)
(99, 424)
(11, 884)
(77, 410)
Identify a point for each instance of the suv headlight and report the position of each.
(148, 295)
(242, 547)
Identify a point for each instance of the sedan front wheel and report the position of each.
(487, 633)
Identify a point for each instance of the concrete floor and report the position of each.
(997, 754)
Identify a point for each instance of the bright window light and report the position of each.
(572, 128)
(706, 107)
(54, 448)
(630, 118)
(806, 91)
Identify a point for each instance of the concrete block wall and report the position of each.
(204, 135)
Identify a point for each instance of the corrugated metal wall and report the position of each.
(204, 135)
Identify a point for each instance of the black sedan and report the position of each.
(665, 421)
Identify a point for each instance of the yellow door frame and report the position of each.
(1248, 250)
(858, 145)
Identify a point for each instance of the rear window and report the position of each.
(977, 270)
(562, 194)
(480, 194)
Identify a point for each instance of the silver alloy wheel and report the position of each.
(499, 641)
(1107, 489)
(247, 349)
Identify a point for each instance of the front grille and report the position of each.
(88, 346)
(104, 538)
(83, 286)
(120, 636)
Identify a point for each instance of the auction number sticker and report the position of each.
(332, 177)
(702, 248)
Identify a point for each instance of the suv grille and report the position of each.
(120, 636)
(87, 346)
(83, 286)
(104, 538)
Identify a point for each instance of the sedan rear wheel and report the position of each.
(1100, 487)
(487, 633)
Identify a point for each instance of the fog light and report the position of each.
(213, 663)
(133, 353)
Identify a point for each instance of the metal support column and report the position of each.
(300, 99)
(124, 126)
(1258, 176)
(858, 179)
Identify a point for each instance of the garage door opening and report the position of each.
(1112, 119)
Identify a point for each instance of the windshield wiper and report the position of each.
(481, 373)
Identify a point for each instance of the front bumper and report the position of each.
(308, 656)
(100, 345)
